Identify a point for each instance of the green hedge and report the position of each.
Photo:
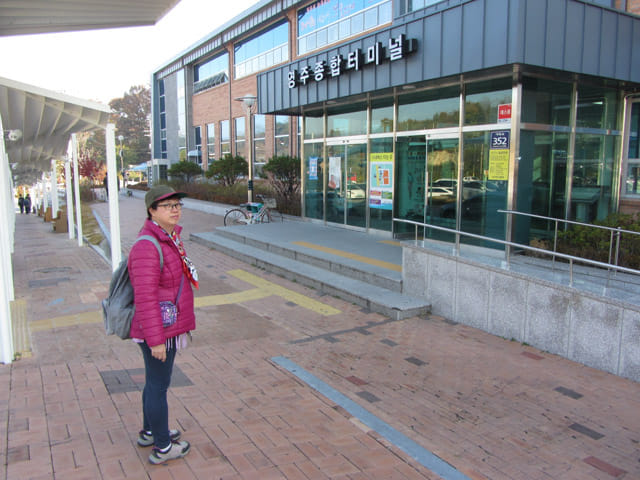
(593, 243)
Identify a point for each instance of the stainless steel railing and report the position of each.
(569, 258)
(614, 232)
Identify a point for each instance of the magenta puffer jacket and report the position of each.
(151, 286)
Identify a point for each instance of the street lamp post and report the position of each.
(248, 101)
(120, 139)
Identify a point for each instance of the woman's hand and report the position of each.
(159, 352)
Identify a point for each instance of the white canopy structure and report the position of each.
(38, 126)
(23, 17)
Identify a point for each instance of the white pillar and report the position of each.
(76, 185)
(54, 189)
(12, 210)
(44, 200)
(68, 186)
(6, 334)
(112, 187)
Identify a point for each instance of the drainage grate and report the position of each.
(586, 431)
(53, 270)
(369, 397)
(415, 361)
(568, 392)
(47, 282)
(132, 380)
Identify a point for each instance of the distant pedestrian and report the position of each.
(27, 204)
(159, 338)
(21, 203)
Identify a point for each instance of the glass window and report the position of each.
(344, 123)
(211, 72)
(382, 119)
(259, 133)
(483, 99)
(326, 21)
(198, 144)
(546, 102)
(313, 127)
(313, 173)
(182, 116)
(281, 137)
(597, 108)
(225, 138)
(542, 180)
(482, 195)
(264, 50)
(238, 124)
(211, 143)
(592, 177)
(435, 109)
(633, 157)
(413, 5)
(409, 195)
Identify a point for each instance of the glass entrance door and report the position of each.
(441, 198)
(347, 184)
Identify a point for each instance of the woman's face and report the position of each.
(168, 213)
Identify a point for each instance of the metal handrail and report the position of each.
(617, 231)
(570, 258)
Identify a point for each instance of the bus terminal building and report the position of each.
(439, 112)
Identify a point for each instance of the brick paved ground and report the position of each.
(492, 408)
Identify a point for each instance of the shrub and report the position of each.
(228, 169)
(594, 243)
(186, 171)
(283, 174)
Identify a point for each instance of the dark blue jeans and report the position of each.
(155, 410)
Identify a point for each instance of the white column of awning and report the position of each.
(112, 187)
(6, 289)
(54, 189)
(76, 185)
(69, 185)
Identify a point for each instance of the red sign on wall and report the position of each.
(504, 113)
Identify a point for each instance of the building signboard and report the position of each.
(376, 54)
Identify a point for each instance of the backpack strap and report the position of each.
(155, 242)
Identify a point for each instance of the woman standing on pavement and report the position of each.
(152, 285)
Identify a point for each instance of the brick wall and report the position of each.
(633, 6)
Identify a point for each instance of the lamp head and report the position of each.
(248, 100)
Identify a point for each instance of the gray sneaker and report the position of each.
(176, 450)
(145, 439)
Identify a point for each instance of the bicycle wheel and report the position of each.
(235, 216)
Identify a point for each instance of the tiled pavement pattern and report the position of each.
(492, 408)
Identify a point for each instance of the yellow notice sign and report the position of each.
(499, 164)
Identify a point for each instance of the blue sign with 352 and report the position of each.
(500, 140)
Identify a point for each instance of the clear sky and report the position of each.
(102, 64)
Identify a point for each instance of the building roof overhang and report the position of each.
(25, 17)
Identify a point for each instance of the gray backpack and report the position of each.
(118, 307)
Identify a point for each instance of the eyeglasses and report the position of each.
(171, 206)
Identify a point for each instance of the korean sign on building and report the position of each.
(396, 49)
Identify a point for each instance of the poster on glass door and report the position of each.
(381, 181)
(335, 173)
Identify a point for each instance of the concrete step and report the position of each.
(392, 304)
(345, 266)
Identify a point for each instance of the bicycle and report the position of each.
(253, 212)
